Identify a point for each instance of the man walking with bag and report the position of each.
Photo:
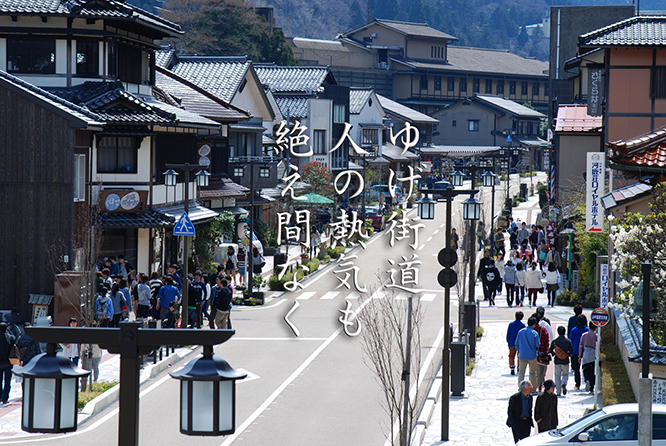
(562, 349)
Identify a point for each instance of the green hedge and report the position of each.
(569, 298)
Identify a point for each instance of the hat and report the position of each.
(548, 384)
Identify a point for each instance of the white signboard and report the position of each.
(603, 285)
(596, 168)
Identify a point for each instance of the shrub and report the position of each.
(570, 298)
(313, 265)
(275, 284)
(336, 252)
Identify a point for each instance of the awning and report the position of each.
(149, 219)
(196, 212)
(135, 130)
(246, 128)
(372, 125)
(532, 142)
(380, 160)
(40, 299)
(235, 210)
(394, 153)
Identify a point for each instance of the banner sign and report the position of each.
(595, 89)
(596, 169)
(603, 285)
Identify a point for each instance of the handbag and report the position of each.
(543, 255)
(543, 358)
(14, 355)
(541, 290)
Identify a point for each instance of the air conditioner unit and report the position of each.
(383, 65)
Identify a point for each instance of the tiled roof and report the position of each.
(624, 194)
(482, 60)
(224, 189)
(318, 44)
(358, 97)
(394, 153)
(403, 112)
(222, 76)
(644, 151)
(164, 57)
(415, 29)
(178, 92)
(508, 106)
(634, 31)
(294, 106)
(72, 110)
(149, 219)
(306, 80)
(574, 118)
(632, 334)
(91, 9)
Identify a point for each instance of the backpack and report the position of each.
(560, 353)
(101, 313)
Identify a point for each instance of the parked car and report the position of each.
(372, 213)
(377, 188)
(615, 425)
(443, 185)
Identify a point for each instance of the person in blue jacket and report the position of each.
(527, 344)
(511, 334)
(168, 293)
(575, 335)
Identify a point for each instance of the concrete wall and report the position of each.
(572, 151)
(453, 126)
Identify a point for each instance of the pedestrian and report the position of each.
(499, 241)
(520, 412)
(155, 284)
(511, 334)
(485, 262)
(173, 272)
(576, 333)
(222, 303)
(545, 408)
(520, 291)
(510, 280)
(491, 280)
(543, 358)
(552, 283)
(103, 306)
(242, 265)
(143, 294)
(533, 283)
(527, 343)
(114, 266)
(523, 234)
(231, 263)
(213, 300)
(534, 239)
(454, 239)
(480, 235)
(258, 262)
(499, 264)
(118, 301)
(124, 288)
(561, 349)
(555, 257)
(587, 355)
(542, 254)
(72, 350)
(197, 290)
(91, 356)
(7, 341)
(168, 293)
(573, 320)
(28, 347)
(124, 268)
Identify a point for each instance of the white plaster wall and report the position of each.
(143, 249)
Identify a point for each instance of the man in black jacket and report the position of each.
(7, 340)
(222, 305)
(520, 412)
(561, 356)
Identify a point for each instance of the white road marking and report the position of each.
(435, 232)
(428, 239)
(428, 297)
(329, 295)
(250, 376)
(306, 295)
(291, 325)
(402, 296)
(353, 295)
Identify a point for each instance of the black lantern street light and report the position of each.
(504, 165)
(447, 278)
(50, 392)
(457, 178)
(426, 208)
(51, 381)
(170, 180)
(489, 179)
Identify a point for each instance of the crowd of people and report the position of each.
(535, 345)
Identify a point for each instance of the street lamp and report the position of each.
(50, 393)
(207, 395)
(426, 208)
(457, 178)
(489, 179)
(202, 178)
(170, 177)
(471, 209)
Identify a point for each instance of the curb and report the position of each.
(105, 399)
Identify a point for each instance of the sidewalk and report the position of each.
(479, 417)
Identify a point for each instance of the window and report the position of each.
(79, 177)
(450, 84)
(463, 84)
(264, 172)
(489, 86)
(424, 82)
(546, 89)
(112, 55)
(530, 128)
(87, 57)
(535, 89)
(476, 85)
(370, 136)
(512, 87)
(239, 171)
(500, 87)
(117, 154)
(339, 112)
(473, 125)
(453, 123)
(438, 83)
(523, 88)
(319, 142)
(659, 427)
(31, 56)
(616, 427)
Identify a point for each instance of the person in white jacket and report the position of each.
(533, 283)
(552, 282)
(520, 285)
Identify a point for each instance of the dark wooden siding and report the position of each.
(35, 197)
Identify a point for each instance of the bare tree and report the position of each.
(394, 353)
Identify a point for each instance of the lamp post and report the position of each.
(130, 340)
(446, 278)
(170, 180)
(489, 181)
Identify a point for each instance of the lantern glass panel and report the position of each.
(44, 403)
(202, 406)
(26, 402)
(226, 405)
(68, 403)
(184, 392)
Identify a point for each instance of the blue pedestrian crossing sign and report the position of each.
(184, 226)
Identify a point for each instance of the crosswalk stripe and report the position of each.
(353, 295)
(306, 295)
(428, 297)
(330, 295)
(401, 296)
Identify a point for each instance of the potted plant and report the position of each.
(252, 297)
